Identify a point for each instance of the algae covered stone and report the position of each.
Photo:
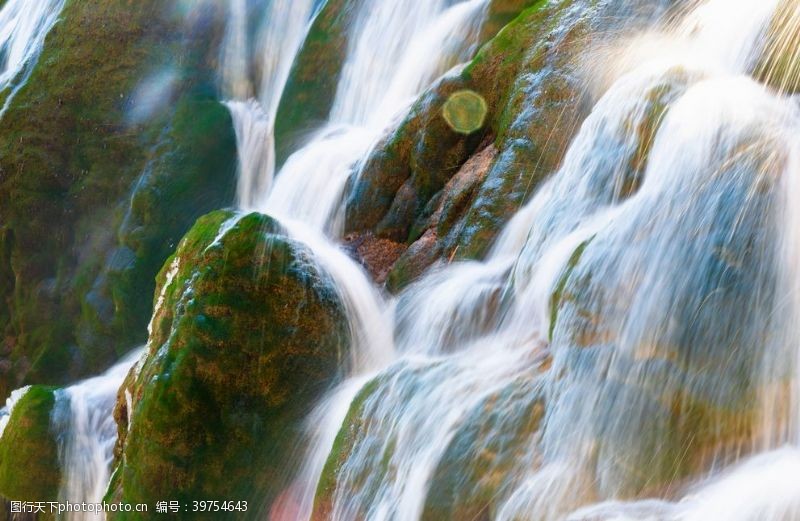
(97, 190)
(312, 83)
(247, 332)
(527, 98)
(29, 466)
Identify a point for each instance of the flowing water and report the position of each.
(24, 24)
(83, 418)
(254, 71)
(628, 349)
(381, 76)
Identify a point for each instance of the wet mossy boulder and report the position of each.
(101, 173)
(311, 87)
(531, 79)
(497, 440)
(669, 344)
(409, 170)
(492, 442)
(29, 465)
(247, 333)
(355, 424)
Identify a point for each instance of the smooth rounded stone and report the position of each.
(496, 442)
(665, 344)
(247, 333)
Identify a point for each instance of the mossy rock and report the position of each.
(491, 443)
(356, 422)
(529, 76)
(29, 465)
(72, 158)
(414, 162)
(311, 87)
(247, 334)
(418, 156)
(440, 223)
(192, 170)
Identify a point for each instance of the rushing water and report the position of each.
(633, 330)
(84, 420)
(24, 24)
(254, 72)
(380, 77)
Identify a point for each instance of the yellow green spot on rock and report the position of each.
(465, 111)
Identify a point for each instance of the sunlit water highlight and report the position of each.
(84, 422)
(24, 25)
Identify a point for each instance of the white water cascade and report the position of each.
(24, 24)
(399, 48)
(604, 353)
(381, 76)
(629, 348)
(254, 72)
(84, 419)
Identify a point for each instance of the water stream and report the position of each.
(665, 271)
(87, 432)
(255, 67)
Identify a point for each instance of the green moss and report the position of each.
(311, 87)
(528, 97)
(246, 335)
(558, 291)
(488, 445)
(29, 468)
(81, 258)
(342, 447)
(491, 444)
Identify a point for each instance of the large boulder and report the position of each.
(677, 347)
(491, 440)
(100, 175)
(247, 333)
(530, 77)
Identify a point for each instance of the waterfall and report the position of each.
(253, 102)
(84, 419)
(628, 349)
(381, 75)
(24, 24)
(621, 304)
